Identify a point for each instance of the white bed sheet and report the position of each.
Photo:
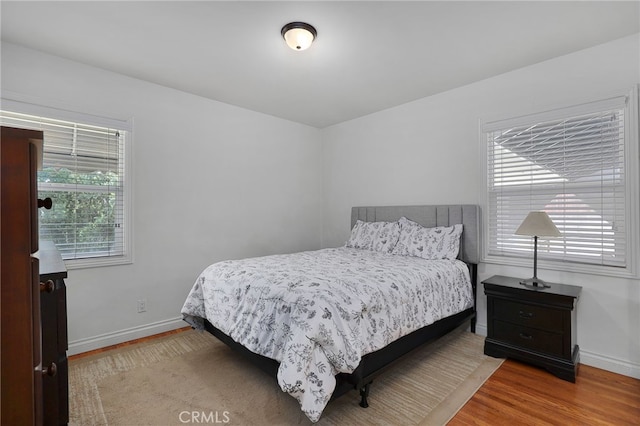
(319, 312)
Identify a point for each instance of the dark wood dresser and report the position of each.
(533, 324)
(32, 311)
(53, 316)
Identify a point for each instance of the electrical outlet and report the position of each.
(142, 305)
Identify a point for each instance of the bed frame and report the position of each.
(376, 362)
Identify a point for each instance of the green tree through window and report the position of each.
(83, 221)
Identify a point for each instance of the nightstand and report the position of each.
(533, 324)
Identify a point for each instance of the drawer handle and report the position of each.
(525, 315)
(526, 336)
(51, 370)
(48, 287)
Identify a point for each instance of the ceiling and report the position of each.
(368, 56)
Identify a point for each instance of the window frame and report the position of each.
(20, 104)
(632, 187)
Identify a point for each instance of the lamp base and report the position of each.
(535, 282)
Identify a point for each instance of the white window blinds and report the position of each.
(569, 163)
(83, 172)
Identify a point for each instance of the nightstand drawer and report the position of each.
(528, 315)
(529, 338)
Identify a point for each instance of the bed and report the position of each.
(328, 321)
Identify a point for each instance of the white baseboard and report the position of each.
(108, 339)
(481, 329)
(614, 365)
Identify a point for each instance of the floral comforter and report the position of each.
(319, 312)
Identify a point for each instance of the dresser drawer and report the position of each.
(528, 315)
(529, 338)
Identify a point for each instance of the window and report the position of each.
(84, 173)
(578, 164)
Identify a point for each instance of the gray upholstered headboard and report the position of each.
(446, 215)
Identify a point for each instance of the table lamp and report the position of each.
(537, 224)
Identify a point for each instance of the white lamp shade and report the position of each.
(538, 224)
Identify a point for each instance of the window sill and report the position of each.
(98, 262)
(581, 268)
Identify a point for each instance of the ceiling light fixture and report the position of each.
(298, 35)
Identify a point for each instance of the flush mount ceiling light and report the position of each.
(298, 35)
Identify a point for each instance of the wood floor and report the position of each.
(519, 394)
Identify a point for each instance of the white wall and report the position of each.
(211, 182)
(427, 152)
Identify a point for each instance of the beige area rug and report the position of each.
(191, 377)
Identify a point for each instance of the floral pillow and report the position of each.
(376, 236)
(407, 227)
(441, 242)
